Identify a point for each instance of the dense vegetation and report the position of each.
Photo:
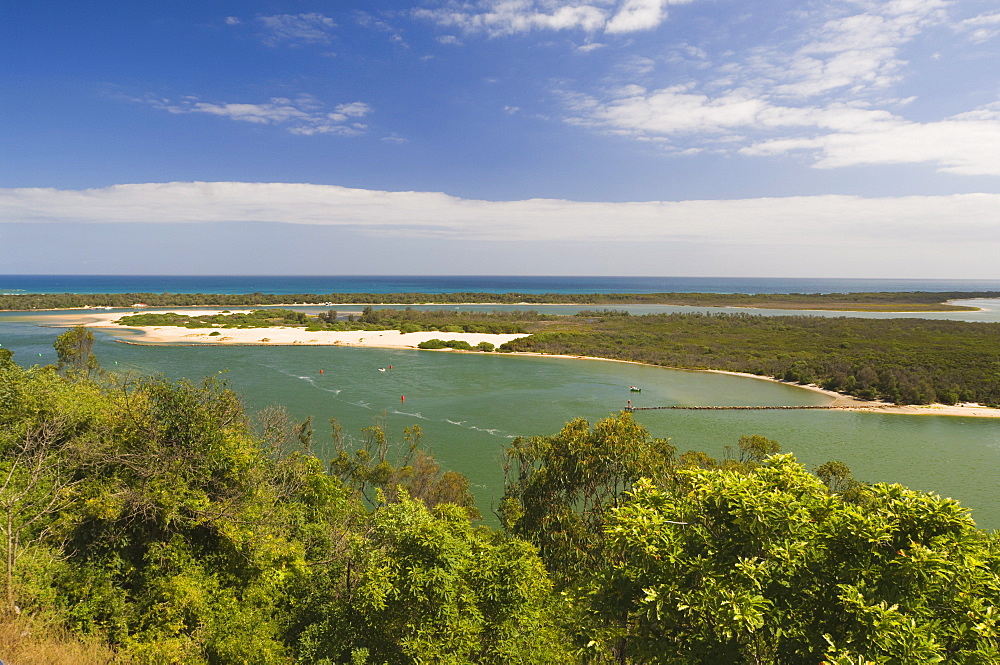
(880, 301)
(908, 361)
(161, 521)
(406, 320)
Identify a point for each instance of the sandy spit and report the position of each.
(278, 336)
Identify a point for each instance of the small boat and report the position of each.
(635, 389)
(381, 369)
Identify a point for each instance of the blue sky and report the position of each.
(833, 138)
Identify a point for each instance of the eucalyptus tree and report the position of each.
(74, 348)
(559, 489)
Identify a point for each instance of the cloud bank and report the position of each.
(824, 222)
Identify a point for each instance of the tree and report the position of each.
(754, 448)
(426, 586)
(559, 489)
(34, 488)
(74, 350)
(767, 566)
(380, 469)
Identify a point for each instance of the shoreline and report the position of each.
(394, 339)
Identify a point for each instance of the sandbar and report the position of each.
(276, 336)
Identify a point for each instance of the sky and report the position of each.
(762, 138)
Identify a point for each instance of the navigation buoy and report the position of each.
(390, 366)
(321, 371)
(402, 398)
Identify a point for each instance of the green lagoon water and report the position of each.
(470, 405)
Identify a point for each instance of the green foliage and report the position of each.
(74, 348)
(379, 470)
(559, 489)
(428, 587)
(767, 566)
(407, 320)
(457, 344)
(258, 318)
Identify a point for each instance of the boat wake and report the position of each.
(312, 382)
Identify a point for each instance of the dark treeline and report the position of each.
(883, 301)
(159, 522)
(405, 320)
(906, 361)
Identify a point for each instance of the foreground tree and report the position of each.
(768, 566)
(427, 586)
(559, 489)
(378, 469)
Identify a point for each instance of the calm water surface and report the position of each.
(471, 405)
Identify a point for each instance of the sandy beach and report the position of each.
(850, 403)
(277, 336)
(285, 336)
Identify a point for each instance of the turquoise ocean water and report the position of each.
(471, 405)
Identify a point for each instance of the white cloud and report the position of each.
(366, 20)
(636, 15)
(304, 115)
(310, 28)
(825, 95)
(841, 50)
(823, 222)
(506, 17)
(679, 112)
(981, 28)
(966, 144)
